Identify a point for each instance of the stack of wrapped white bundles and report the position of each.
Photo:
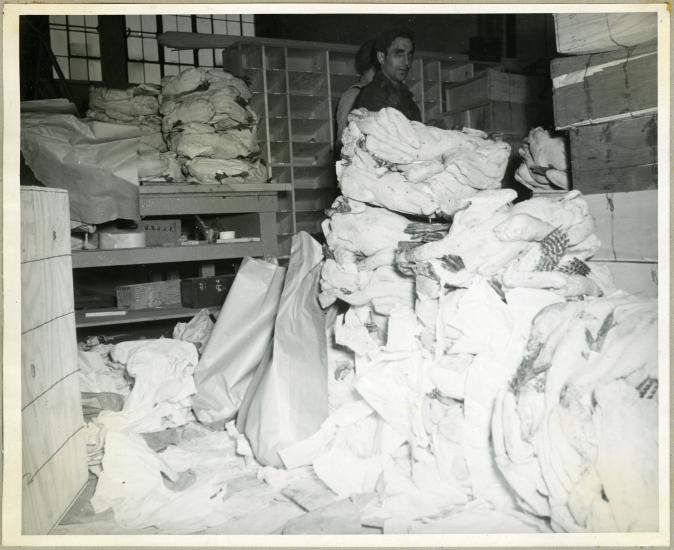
(209, 127)
(439, 329)
(544, 165)
(138, 106)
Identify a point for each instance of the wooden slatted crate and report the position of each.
(620, 155)
(626, 224)
(609, 86)
(54, 456)
(493, 85)
(580, 33)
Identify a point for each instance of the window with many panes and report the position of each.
(148, 62)
(75, 42)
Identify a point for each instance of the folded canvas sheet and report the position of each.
(238, 341)
(288, 398)
(96, 162)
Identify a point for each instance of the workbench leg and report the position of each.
(268, 233)
(206, 270)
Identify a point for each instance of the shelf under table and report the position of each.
(112, 316)
(167, 254)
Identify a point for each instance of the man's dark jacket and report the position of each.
(383, 92)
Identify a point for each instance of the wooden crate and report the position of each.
(500, 116)
(149, 295)
(580, 33)
(626, 224)
(493, 85)
(606, 86)
(54, 460)
(621, 155)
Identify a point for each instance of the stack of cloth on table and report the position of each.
(209, 127)
(138, 106)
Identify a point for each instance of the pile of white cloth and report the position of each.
(209, 127)
(415, 169)
(576, 433)
(544, 162)
(437, 326)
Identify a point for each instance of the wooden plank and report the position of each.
(166, 254)
(268, 232)
(633, 277)
(615, 156)
(45, 223)
(626, 224)
(618, 89)
(190, 41)
(46, 291)
(48, 353)
(578, 33)
(47, 496)
(49, 421)
(493, 85)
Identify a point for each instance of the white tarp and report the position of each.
(96, 162)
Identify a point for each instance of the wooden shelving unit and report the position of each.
(296, 88)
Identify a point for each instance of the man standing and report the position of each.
(395, 49)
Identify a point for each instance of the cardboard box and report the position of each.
(205, 291)
(161, 231)
(149, 295)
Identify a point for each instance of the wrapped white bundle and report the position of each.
(213, 171)
(361, 234)
(155, 166)
(195, 79)
(195, 139)
(545, 165)
(126, 106)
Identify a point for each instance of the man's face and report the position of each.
(398, 59)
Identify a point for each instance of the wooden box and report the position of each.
(606, 86)
(493, 85)
(579, 33)
(161, 231)
(205, 291)
(54, 456)
(149, 295)
(621, 155)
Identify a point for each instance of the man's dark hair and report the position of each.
(385, 38)
(366, 57)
